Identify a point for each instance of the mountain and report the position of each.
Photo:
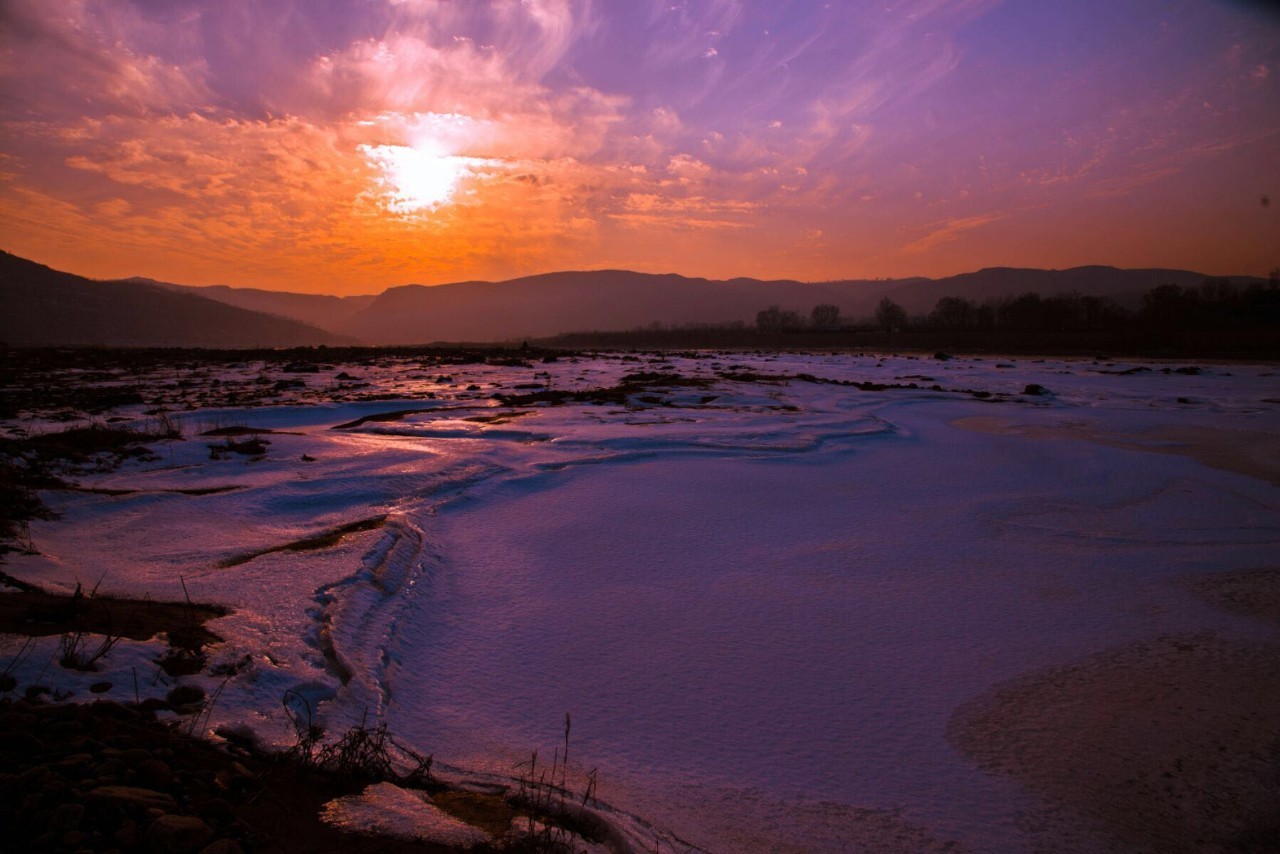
(545, 305)
(322, 310)
(45, 307)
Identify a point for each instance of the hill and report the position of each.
(554, 303)
(537, 306)
(322, 310)
(46, 307)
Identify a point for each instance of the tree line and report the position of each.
(1216, 304)
(775, 319)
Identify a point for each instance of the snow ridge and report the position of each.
(359, 616)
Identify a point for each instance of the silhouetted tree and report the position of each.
(953, 313)
(1217, 290)
(1169, 305)
(825, 316)
(890, 315)
(774, 319)
(1025, 311)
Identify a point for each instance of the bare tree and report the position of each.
(954, 313)
(774, 319)
(890, 315)
(825, 316)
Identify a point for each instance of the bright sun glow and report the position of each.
(416, 178)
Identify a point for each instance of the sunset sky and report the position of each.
(343, 146)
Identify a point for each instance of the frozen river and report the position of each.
(763, 586)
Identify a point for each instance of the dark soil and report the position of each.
(106, 777)
(35, 613)
(319, 541)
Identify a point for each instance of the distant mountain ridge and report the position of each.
(552, 303)
(45, 306)
(322, 310)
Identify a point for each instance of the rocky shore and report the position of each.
(106, 777)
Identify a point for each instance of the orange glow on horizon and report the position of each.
(411, 142)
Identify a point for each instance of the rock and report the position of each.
(66, 817)
(44, 842)
(85, 744)
(73, 838)
(222, 846)
(135, 756)
(133, 796)
(11, 721)
(216, 811)
(17, 743)
(100, 687)
(185, 695)
(1035, 390)
(154, 774)
(178, 834)
(111, 767)
(126, 835)
(75, 760)
(35, 777)
(111, 709)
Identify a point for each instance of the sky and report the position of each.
(345, 146)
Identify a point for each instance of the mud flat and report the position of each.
(1250, 452)
(1171, 745)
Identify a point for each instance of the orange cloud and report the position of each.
(363, 145)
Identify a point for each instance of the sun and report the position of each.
(416, 178)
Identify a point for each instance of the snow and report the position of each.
(389, 810)
(761, 601)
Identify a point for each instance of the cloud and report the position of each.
(289, 135)
(949, 231)
(65, 59)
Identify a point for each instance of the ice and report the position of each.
(762, 597)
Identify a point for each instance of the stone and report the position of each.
(154, 774)
(66, 817)
(126, 835)
(216, 811)
(73, 838)
(111, 767)
(135, 756)
(111, 709)
(185, 695)
(178, 834)
(17, 743)
(133, 796)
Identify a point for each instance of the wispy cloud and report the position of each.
(284, 136)
(948, 231)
